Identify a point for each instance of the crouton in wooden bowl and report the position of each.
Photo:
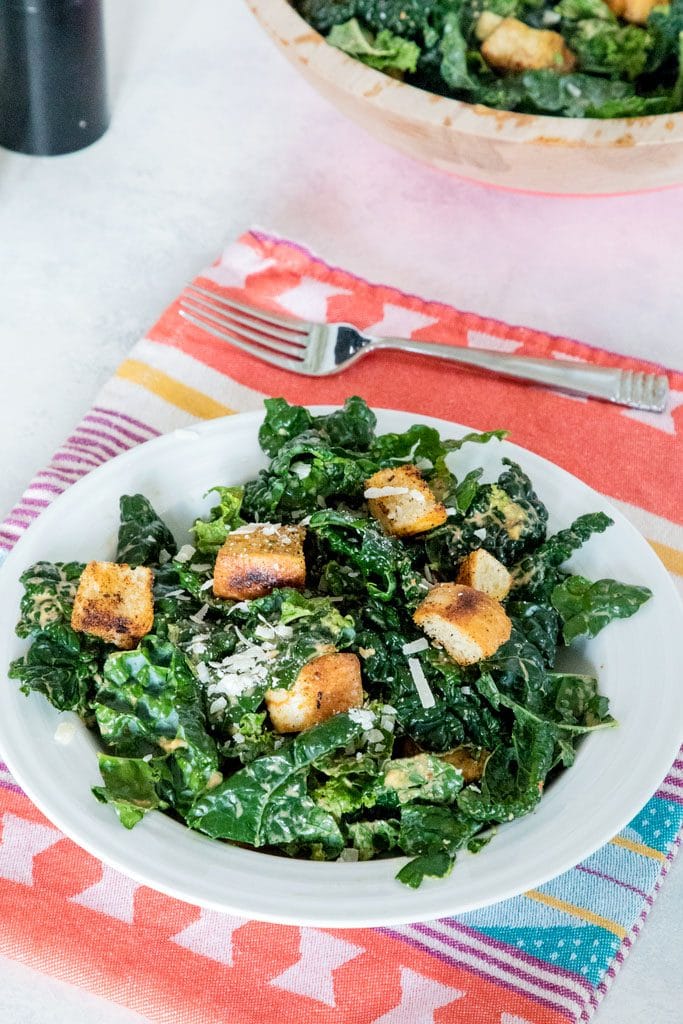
(529, 152)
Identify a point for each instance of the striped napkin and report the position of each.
(545, 957)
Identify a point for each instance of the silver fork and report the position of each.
(317, 350)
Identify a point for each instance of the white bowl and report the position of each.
(616, 771)
(533, 153)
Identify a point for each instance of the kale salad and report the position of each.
(353, 656)
(572, 58)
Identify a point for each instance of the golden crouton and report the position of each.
(402, 501)
(325, 686)
(487, 23)
(469, 625)
(514, 46)
(470, 760)
(257, 558)
(635, 11)
(484, 572)
(114, 602)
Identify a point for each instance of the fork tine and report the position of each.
(262, 326)
(268, 341)
(266, 355)
(274, 319)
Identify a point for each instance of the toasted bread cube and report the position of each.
(471, 761)
(325, 686)
(402, 501)
(487, 23)
(115, 603)
(469, 625)
(514, 46)
(257, 558)
(635, 11)
(484, 572)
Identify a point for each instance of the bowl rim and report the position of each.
(302, 43)
(95, 829)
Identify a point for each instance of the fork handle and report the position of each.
(608, 383)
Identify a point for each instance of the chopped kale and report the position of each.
(143, 536)
(439, 753)
(621, 69)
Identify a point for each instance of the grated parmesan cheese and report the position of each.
(203, 672)
(421, 685)
(200, 615)
(363, 717)
(65, 732)
(246, 529)
(241, 606)
(416, 646)
(384, 492)
(348, 855)
(185, 554)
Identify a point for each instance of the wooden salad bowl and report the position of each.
(532, 153)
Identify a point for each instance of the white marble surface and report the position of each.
(213, 132)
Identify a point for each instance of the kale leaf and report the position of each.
(142, 534)
(573, 95)
(362, 544)
(568, 703)
(537, 623)
(459, 714)
(432, 836)
(610, 49)
(306, 471)
(514, 776)
(582, 10)
(402, 17)
(453, 50)
(130, 786)
(267, 803)
(423, 777)
(323, 14)
(148, 702)
(384, 52)
(506, 518)
(585, 607)
(61, 664)
(351, 427)
(209, 534)
(49, 592)
(536, 574)
(283, 422)
(373, 838)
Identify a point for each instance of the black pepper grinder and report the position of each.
(53, 96)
